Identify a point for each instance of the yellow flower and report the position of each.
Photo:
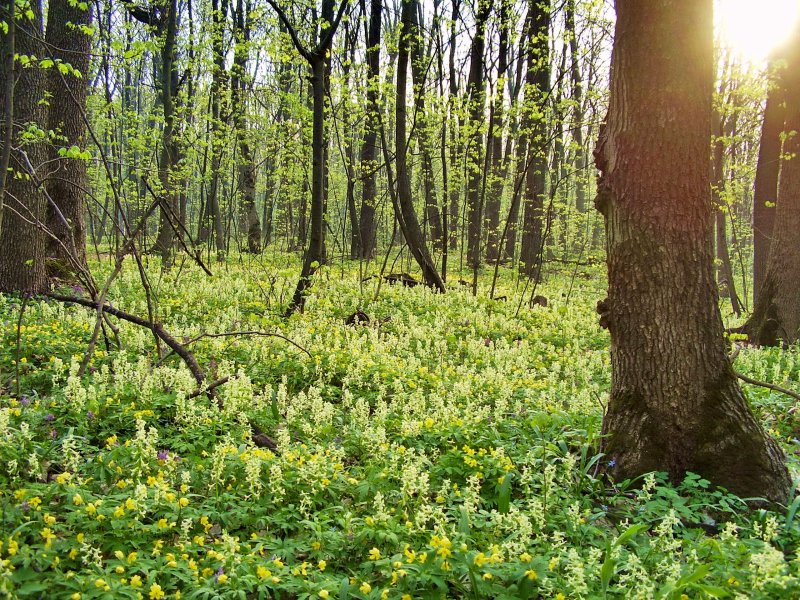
(531, 574)
(75, 596)
(316, 545)
(324, 593)
(132, 558)
(322, 564)
(406, 597)
(48, 536)
(100, 583)
(374, 554)
(136, 581)
(130, 504)
(184, 502)
(77, 500)
(365, 588)
(156, 592)
(222, 578)
(263, 572)
(525, 557)
(487, 576)
(49, 519)
(35, 502)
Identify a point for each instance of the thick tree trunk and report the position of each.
(675, 403)
(22, 244)
(369, 150)
(765, 193)
(776, 314)
(65, 216)
(537, 86)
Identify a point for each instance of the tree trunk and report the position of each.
(577, 116)
(65, 216)
(776, 314)
(367, 225)
(22, 244)
(765, 193)
(406, 216)
(675, 403)
(247, 167)
(537, 86)
(475, 149)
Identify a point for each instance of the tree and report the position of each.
(675, 403)
(404, 204)
(22, 245)
(69, 44)
(765, 193)
(537, 88)
(776, 313)
(318, 59)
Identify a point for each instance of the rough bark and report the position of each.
(776, 314)
(22, 244)
(537, 86)
(578, 112)
(675, 403)
(67, 181)
(765, 193)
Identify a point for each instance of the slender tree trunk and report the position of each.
(765, 194)
(367, 225)
(406, 215)
(22, 244)
(475, 150)
(577, 115)
(675, 403)
(247, 167)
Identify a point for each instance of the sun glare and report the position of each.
(753, 29)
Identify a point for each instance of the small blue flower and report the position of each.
(612, 463)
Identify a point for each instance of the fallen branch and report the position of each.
(769, 386)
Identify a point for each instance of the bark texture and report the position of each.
(22, 245)
(675, 402)
(68, 179)
(776, 314)
(765, 193)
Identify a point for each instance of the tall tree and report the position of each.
(537, 88)
(765, 193)
(404, 205)
(476, 87)
(318, 59)
(22, 245)
(776, 313)
(247, 167)
(369, 148)
(69, 43)
(675, 403)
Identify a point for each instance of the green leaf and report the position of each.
(504, 494)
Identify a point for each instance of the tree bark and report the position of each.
(22, 244)
(369, 150)
(68, 180)
(776, 314)
(675, 403)
(765, 193)
(475, 148)
(537, 87)
(405, 213)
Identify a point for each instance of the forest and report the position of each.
(399, 299)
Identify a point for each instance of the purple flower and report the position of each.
(89, 415)
(219, 572)
(53, 434)
(49, 417)
(25, 506)
(612, 463)
(77, 289)
(25, 401)
(163, 455)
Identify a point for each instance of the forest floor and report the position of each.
(448, 448)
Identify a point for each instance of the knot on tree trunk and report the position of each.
(604, 310)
